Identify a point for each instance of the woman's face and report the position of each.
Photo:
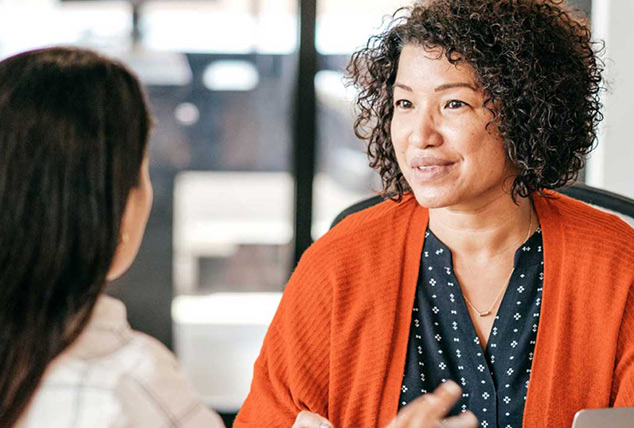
(439, 133)
(133, 223)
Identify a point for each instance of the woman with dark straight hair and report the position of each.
(75, 196)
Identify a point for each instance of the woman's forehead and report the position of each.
(428, 68)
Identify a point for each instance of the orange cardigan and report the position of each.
(338, 342)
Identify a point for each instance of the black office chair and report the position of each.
(599, 198)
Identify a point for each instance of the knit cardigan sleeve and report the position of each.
(623, 384)
(291, 373)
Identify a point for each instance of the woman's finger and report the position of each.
(429, 410)
(436, 405)
(463, 420)
(306, 419)
(448, 394)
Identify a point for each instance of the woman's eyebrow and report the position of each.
(400, 85)
(442, 87)
(455, 85)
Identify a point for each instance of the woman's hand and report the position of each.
(427, 411)
(307, 419)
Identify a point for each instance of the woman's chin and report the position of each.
(429, 197)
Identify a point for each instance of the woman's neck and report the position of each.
(486, 230)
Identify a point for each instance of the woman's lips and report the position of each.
(429, 169)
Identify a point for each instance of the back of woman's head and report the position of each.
(73, 132)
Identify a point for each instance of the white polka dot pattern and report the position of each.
(443, 344)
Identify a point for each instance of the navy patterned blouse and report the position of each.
(443, 343)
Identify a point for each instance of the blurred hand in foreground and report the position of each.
(427, 411)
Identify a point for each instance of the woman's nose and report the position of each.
(425, 131)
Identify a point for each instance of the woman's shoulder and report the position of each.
(376, 216)
(154, 391)
(576, 215)
(589, 233)
(354, 249)
(109, 342)
(116, 354)
(370, 226)
(121, 374)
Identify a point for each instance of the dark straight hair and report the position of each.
(73, 131)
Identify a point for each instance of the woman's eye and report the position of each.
(455, 104)
(403, 104)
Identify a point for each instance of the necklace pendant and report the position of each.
(484, 314)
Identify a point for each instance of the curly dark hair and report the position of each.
(535, 61)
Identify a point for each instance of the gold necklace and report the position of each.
(488, 312)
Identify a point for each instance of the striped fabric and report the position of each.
(113, 376)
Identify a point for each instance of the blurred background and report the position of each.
(253, 153)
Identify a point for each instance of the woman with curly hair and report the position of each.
(474, 271)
